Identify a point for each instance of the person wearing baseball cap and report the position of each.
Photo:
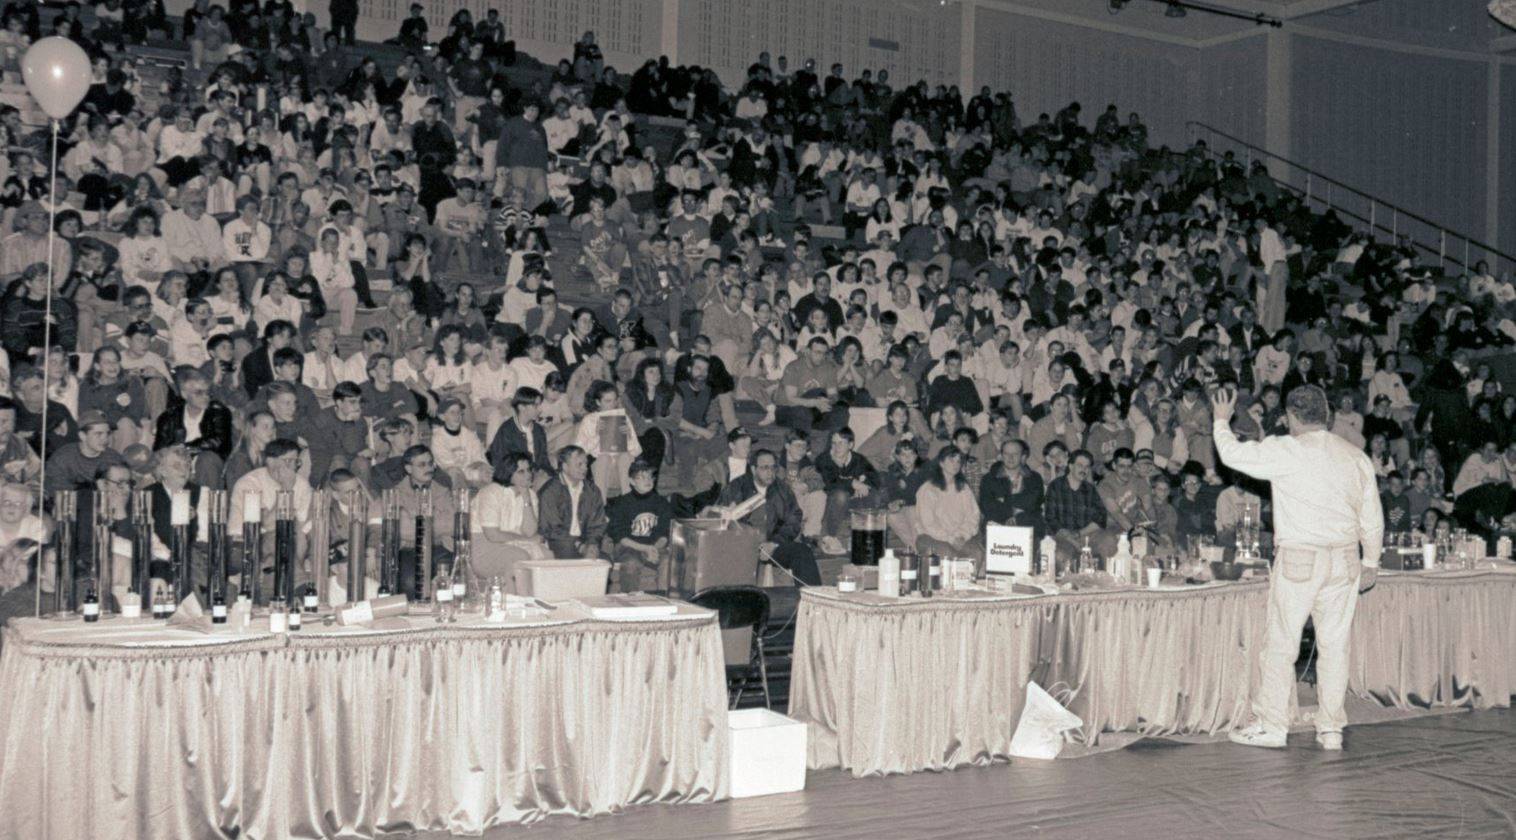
(460, 221)
(77, 464)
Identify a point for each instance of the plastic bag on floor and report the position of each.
(1039, 733)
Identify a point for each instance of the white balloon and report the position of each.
(57, 73)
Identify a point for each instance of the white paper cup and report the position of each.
(1155, 576)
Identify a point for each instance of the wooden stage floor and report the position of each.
(1451, 776)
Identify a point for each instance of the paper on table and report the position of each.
(189, 615)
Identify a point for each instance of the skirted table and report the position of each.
(132, 732)
(899, 686)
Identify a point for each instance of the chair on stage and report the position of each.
(741, 611)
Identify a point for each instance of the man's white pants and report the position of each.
(1322, 584)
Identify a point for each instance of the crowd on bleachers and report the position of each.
(827, 290)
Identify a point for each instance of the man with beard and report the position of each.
(697, 437)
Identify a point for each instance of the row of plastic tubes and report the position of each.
(356, 506)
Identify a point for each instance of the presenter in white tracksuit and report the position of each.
(1326, 508)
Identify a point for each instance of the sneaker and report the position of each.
(1257, 735)
(1330, 741)
(831, 545)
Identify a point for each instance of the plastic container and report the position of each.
(767, 753)
(561, 580)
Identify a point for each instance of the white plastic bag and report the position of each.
(1039, 734)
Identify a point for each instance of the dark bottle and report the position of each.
(294, 615)
(91, 606)
(931, 565)
(218, 608)
(910, 572)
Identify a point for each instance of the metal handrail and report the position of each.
(1367, 210)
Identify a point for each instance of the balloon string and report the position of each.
(47, 341)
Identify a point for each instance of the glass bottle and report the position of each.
(278, 617)
(295, 619)
(495, 607)
(444, 608)
(1086, 557)
(218, 607)
(91, 606)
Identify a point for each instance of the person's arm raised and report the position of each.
(1264, 459)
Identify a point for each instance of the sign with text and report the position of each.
(1008, 550)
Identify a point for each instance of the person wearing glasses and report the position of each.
(779, 519)
(137, 306)
(173, 468)
(282, 472)
(411, 493)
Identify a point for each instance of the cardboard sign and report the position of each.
(1008, 550)
(613, 433)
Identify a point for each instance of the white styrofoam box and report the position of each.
(561, 580)
(767, 753)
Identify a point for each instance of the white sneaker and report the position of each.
(831, 545)
(1257, 735)
(1330, 741)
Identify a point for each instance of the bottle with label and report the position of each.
(889, 574)
(90, 609)
(929, 575)
(278, 617)
(311, 600)
(158, 607)
(910, 569)
(1086, 557)
(295, 620)
(218, 608)
(1046, 564)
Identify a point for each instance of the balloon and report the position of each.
(57, 74)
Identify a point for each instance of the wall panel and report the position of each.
(1229, 88)
(920, 39)
(628, 31)
(1507, 181)
(1046, 65)
(1408, 128)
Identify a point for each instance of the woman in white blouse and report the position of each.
(1387, 381)
(144, 255)
(448, 373)
(275, 303)
(227, 307)
(505, 524)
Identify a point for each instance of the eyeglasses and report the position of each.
(119, 484)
